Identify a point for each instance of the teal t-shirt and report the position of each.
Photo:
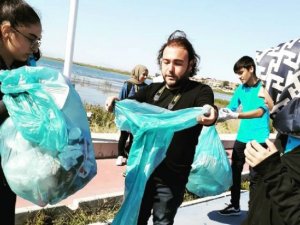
(255, 128)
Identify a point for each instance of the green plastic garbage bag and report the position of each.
(153, 128)
(46, 147)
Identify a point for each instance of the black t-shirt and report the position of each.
(176, 166)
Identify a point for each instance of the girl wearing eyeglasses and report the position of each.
(20, 37)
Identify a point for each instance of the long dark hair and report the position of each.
(18, 13)
(178, 38)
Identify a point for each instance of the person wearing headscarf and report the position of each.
(137, 81)
(279, 199)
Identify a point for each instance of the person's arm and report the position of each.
(209, 118)
(251, 114)
(123, 93)
(206, 100)
(110, 103)
(230, 111)
(139, 96)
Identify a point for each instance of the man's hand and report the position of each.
(110, 103)
(227, 114)
(255, 153)
(209, 117)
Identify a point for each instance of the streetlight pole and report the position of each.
(70, 38)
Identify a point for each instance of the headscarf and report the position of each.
(279, 69)
(136, 72)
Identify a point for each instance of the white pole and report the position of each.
(70, 38)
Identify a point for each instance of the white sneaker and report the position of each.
(119, 161)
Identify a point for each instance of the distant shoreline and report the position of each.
(118, 71)
(92, 66)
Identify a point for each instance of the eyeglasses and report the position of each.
(34, 42)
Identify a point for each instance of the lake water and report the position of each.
(94, 85)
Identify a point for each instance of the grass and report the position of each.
(103, 211)
(245, 185)
(100, 120)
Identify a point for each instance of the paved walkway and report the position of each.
(206, 212)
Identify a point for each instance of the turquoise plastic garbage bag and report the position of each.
(31, 107)
(211, 170)
(153, 128)
(48, 168)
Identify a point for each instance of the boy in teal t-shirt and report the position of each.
(254, 114)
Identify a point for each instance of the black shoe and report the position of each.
(230, 210)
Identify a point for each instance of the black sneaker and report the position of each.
(230, 211)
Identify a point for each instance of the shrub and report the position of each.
(101, 120)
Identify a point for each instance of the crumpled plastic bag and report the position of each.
(46, 147)
(211, 171)
(153, 128)
(31, 106)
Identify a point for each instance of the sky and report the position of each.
(123, 33)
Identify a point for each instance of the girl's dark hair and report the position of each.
(245, 62)
(37, 55)
(178, 38)
(18, 13)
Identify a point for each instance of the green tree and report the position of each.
(225, 83)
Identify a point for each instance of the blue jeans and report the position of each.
(163, 199)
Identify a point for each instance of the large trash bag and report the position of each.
(211, 170)
(31, 106)
(46, 147)
(153, 128)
